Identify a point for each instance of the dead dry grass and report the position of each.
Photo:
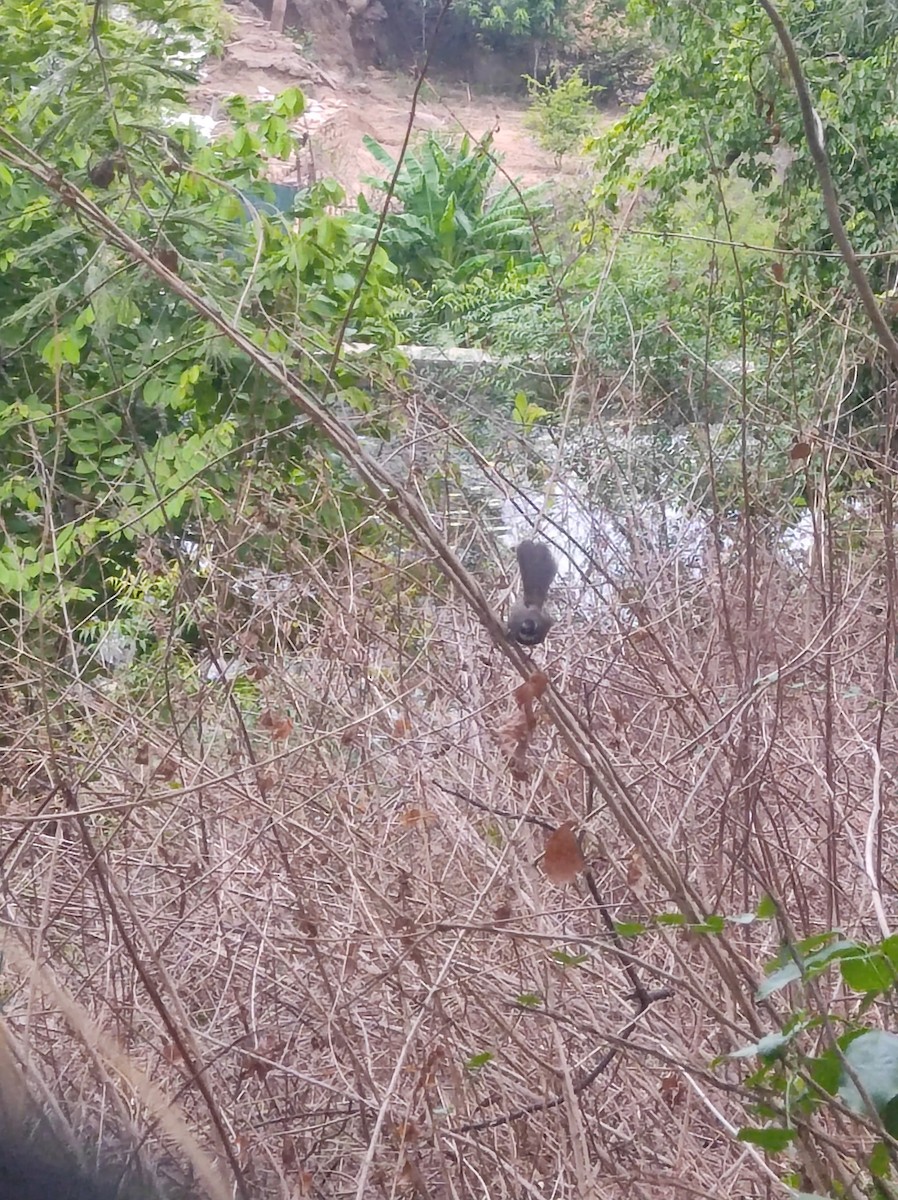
(292, 927)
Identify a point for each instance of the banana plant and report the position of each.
(446, 211)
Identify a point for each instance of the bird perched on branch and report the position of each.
(527, 622)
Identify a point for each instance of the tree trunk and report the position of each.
(278, 10)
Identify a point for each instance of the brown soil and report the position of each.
(344, 105)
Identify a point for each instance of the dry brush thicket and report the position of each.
(299, 911)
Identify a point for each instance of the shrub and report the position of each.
(562, 112)
(448, 214)
(123, 410)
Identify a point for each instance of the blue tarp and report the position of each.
(284, 199)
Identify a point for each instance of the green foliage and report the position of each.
(610, 47)
(465, 250)
(675, 300)
(509, 312)
(477, 1061)
(519, 18)
(719, 135)
(525, 413)
(147, 608)
(448, 215)
(562, 113)
(797, 1071)
(123, 411)
(815, 1057)
(872, 1058)
(722, 102)
(596, 35)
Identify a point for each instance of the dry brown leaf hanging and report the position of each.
(168, 256)
(562, 858)
(672, 1089)
(102, 174)
(416, 816)
(406, 1131)
(514, 741)
(281, 729)
(171, 1053)
(531, 689)
(636, 873)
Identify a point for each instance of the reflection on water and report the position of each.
(601, 501)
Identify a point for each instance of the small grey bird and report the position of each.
(527, 623)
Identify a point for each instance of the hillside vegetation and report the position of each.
(315, 884)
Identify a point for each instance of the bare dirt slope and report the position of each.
(344, 106)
